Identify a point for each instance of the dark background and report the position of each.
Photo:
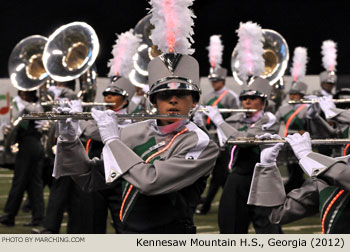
(302, 23)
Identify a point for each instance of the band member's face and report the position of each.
(139, 91)
(218, 84)
(115, 98)
(252, 102)
(328, 87)
(26, 96)
(178, 102)
(295, 97)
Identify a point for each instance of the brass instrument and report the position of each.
(27, 73)
(70, 53)
(255, 141)
(84, 104)
(276, 56)
(88, 116)
(311, 101)
(25, 64)
(145, 53)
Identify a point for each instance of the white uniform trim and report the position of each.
(310, 165)
(271, 121)
(236, 97)
(203, 141)
(111, 167)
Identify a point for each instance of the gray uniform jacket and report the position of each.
(322, 191)
(239, 126)
(298, 123)
(190, 156)
(230, 100)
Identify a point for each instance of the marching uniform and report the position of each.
(110, 198)
(28, 167)
(326, 192)
(162, 165)
(294, 120)
(222, 98)
(234, 214)
(162, 202)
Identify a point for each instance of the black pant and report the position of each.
(234, 213)
(218, 178)
(66, 195)
(111, 199)
(295, 177)
(27, 177)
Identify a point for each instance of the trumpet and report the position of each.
(311, 101)
(84, 104)
(88, 116)
(255, 141)
(227, 110)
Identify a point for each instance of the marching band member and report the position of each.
(222, 98)
(326, 191)
(328, 78)
(28, 165)
(234, 213)
(164, 163)
(319, 126)
(120, 92)
(294, 117)
(139, 102)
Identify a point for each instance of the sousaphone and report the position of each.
(276, 56)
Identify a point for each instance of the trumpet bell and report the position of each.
(25, 66)
(276, 56)
(70, 51)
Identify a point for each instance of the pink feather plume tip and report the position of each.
(172, 20)
(329, 55)
(215, 49)
(123, 51)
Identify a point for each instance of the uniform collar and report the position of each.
(170, 128)
(120, 111)
(254, 118)
(219, 92)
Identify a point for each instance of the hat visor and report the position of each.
(252, 93)
(174, 84)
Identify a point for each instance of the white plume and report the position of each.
(250, 50)
(172, 20)
(215, 49)
(329, 55)
(298, 69)
(123, 51)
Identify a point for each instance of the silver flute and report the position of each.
(84, 104)
(311, 101)
(255, 141)
(228, 110)
(88, 116)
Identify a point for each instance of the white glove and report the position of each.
(313, 109)
(198, 116)
(214, 115)
(39, 124)
(326, 104)
(301, 144)
(269, 152)
(107, 123)
(75, 106)
(68, 129)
